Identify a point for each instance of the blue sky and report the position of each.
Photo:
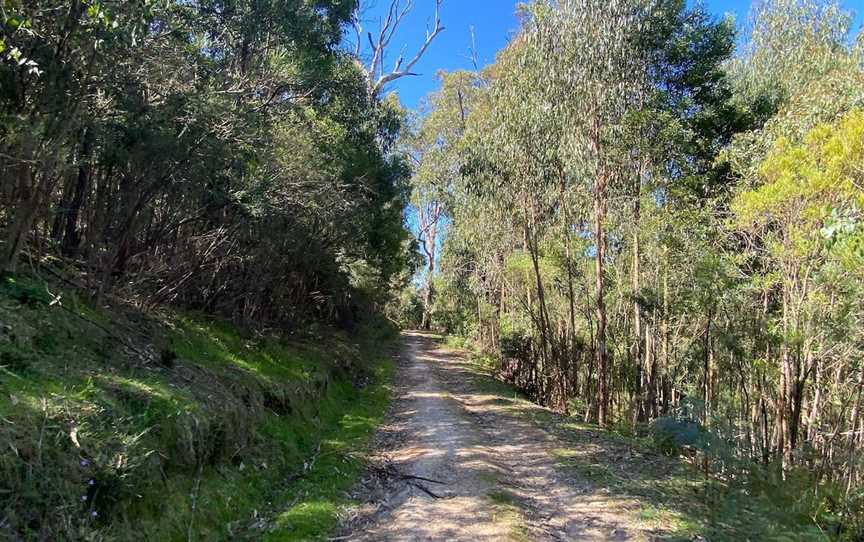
(493, 21)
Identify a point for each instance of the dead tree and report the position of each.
(377, 75)
(429, 216)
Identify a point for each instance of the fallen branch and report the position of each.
(426, 490)
(430, 480)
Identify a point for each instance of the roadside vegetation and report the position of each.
(201, 222)
(676, 496)
(123, 426)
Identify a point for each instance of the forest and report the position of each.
(156, 146)
(646, 218)
(184, 187)
(643, 216)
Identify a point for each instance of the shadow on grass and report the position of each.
(310, 504)
(99, 441)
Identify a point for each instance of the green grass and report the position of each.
(183, 427)
(509, 509)
(317, 497)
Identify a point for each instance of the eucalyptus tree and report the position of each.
(518, 169)
(373, 57)
(686, 114)
(435, 148)
(598, 73)
(558, 95)
(562, 136)
(801, 53)
(810, 193)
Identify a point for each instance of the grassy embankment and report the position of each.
(675, 497)
(119, 426)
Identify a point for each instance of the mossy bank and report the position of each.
(115, 425)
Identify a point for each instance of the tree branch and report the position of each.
(396, 13)
(430, 37)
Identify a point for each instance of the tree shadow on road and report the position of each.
(673, 500)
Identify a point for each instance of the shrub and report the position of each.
(671, 435)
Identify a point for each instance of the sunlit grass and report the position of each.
(508, 509)
(212, 446)
(321, 493)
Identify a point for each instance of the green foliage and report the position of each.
(672, 435)
(803, 183)
(231, 152)
(24, 292)
(407, 310)
(623, 162)
(120, 441)
(337, 467)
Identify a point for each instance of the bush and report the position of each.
(406, 309)
(516, 345)
(671, 435)
(25, 294)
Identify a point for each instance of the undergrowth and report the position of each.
(119, 426)
(677, 499)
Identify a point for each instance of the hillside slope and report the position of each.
(122, 426)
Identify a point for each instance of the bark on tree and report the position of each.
(600, 284)
(22, 223)
(429, 219)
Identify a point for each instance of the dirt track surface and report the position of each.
(454, 465)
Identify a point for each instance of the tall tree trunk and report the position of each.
(600, 204)
(571, 294)
(24, 217)
(71, 236)
(430, 225)
(61, 209)
(788, 379)
(428, 294)
(640, 410)
(708, 367)
(542, 318)
(600, 284)
(665, 330)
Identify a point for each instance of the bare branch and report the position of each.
(474, 61)
(378, 48)
(430, 37)
(413, 158)
(408, 7)
(387, 29)
(358, 29)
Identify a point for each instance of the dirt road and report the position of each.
(456, 464)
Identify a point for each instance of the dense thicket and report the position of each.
(225, 155)
(645, 224)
